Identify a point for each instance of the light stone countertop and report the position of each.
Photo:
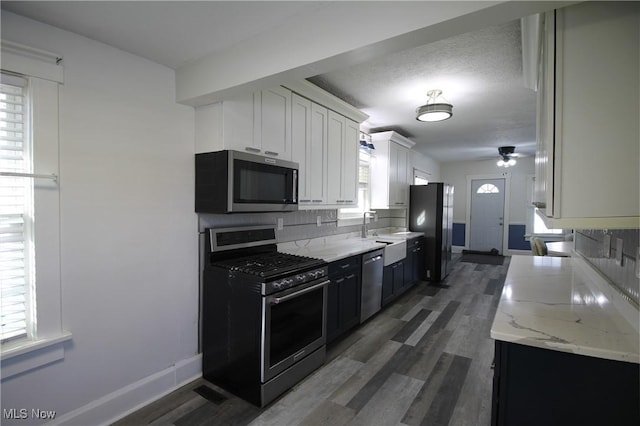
(562, 304)
(332, 249)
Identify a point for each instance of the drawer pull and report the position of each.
(275, 154)
(251, 149)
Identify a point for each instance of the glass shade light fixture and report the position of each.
(436, 108)
(507, 160)
(364, 144)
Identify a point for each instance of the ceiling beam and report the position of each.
(334, 36)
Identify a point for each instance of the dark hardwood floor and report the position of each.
(424, 360)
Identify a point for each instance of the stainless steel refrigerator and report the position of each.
(431, 212)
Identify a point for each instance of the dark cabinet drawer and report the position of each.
(342, 265)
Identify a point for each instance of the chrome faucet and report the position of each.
(364, 223)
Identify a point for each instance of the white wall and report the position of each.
(425, 164)
(128, 229)
(457, 173)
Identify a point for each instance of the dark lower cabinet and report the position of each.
(414, 262)
(400, 276)
(534, 386)
(393, 282)
(343, 305)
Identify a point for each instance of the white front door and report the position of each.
(487, 214)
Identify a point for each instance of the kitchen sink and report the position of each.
(394, 250)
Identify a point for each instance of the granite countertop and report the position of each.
(332, 249)
(562, 304)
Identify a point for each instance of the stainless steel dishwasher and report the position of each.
(371, 302)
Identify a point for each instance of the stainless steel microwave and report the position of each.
(233, 182)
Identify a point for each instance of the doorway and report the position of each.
(486, 221)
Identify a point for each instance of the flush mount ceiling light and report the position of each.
(436, 108)
(507, 154)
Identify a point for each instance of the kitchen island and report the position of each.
(567, 347)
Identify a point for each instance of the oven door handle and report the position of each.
(278, 300)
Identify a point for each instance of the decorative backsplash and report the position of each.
(591, 244)
(302, 224)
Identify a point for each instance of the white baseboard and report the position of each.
(125, 401)
(457, 249)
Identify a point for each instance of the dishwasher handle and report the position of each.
(373, 259)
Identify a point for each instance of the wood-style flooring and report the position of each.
(424, 360)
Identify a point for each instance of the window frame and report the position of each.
(348, 215)
(44, 73)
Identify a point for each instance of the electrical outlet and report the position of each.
(606, 246)
(280, 224)
(619, 245)
(319, 220)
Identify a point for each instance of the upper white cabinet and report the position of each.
(342, 160)
(302, 123)
(258, 122)
(309, 150)
(390, 172)
(587, 161)
(272, 125)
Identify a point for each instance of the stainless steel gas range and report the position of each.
(263, 314)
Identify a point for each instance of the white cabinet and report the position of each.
(342, 160)
(587, 161)
(258, 122)
(390, 171)
(272, 122)
(309, 150)
(302, 123)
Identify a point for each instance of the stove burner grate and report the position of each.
(269, 264)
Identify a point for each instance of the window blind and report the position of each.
(16, 208)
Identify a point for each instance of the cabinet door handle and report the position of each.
(345, 266)
(348, 201)
(275, 154)
(251, 149)
(350, 276)
(316, 201)
(339, 280)
(305, 201)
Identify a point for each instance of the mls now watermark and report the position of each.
(24, 413)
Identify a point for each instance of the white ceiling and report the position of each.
(480, 73)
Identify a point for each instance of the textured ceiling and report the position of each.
(480, 73)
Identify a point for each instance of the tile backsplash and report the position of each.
(600, 248)
(302, 224)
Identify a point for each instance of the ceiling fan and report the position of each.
(508, 156)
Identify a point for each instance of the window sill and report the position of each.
(23, 356)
